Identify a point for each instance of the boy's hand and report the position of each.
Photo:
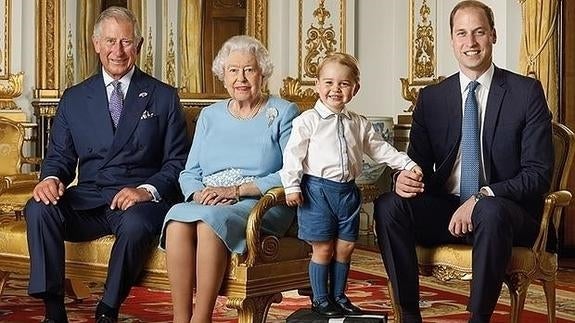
(416, 169)
(294, 199)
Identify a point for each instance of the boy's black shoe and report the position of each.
(348, 308)
(326, 308)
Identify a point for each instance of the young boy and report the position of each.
(322, 158)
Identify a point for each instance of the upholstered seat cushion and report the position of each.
(455, 261)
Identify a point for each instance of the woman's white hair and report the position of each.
(247, 44)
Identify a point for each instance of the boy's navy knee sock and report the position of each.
(338, 279)
(318, 275)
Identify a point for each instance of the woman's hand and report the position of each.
(216, 195)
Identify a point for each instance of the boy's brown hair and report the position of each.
(343, 59)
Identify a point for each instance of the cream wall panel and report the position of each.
(22, 50)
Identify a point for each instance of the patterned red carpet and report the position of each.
(367, 288)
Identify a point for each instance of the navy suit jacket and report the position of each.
(148, 147)
(517, 137)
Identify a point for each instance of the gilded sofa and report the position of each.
(253, 282)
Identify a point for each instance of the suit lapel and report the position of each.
(494, 100)
(453, 102)
(134, 106)
(97, 103)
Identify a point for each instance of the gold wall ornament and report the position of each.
(422, 59)
(424, 45)
(5, 40)
(292, 91)
(47, 48)
(149, 59)
(171, 59)
(320, 41)
(69, 67)
(11, 91)
(256, 19)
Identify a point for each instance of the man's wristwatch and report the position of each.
(478, 196)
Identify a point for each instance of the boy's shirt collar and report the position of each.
(325, 112)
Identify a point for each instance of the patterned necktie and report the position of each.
(116, 102)
(470, 153)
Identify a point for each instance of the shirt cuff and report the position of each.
(153, 191)
(486, 191)
(410, 165)
(292, 189)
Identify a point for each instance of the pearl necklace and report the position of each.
(254, 111)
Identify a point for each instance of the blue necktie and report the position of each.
(116, 102)
(470, 153)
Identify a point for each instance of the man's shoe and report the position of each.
(326, 308)
(47, 321)
(348, 308)
(105, 319)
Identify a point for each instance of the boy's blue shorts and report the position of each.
(330, 210)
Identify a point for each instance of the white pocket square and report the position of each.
(147, 114)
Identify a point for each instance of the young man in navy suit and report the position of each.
(514, 161)
(125, 133)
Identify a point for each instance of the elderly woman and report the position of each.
(235, 157)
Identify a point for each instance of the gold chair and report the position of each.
(17, 186)
(526, 265)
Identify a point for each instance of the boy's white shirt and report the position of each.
(316, 148)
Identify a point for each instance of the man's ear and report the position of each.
(139, 48)
(494, 36)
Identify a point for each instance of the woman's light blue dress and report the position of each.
(253, 147)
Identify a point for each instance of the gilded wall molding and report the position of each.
(5, 40)
(148, 66)
(69, 67)
(325, 35)
(257, 16)
(422, 59)
(321, 38)
(171, 59)
(47, 48)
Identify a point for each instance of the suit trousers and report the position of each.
(498, 225)
(136, 230)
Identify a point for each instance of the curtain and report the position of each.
(136, 7)
(538, 53)
(190, 45)
(88, 12)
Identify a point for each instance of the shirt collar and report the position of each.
(325, 112)
(125, 80)
(484, 80)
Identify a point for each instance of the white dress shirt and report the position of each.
(331, 146)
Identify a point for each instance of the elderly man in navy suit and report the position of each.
(125, 133)
(483, 138)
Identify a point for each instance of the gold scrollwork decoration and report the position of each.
(149, 61)
(171, 60)
(69, 67)
(10, 91)
(424, 45)
(321, 41)
(292, 91)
